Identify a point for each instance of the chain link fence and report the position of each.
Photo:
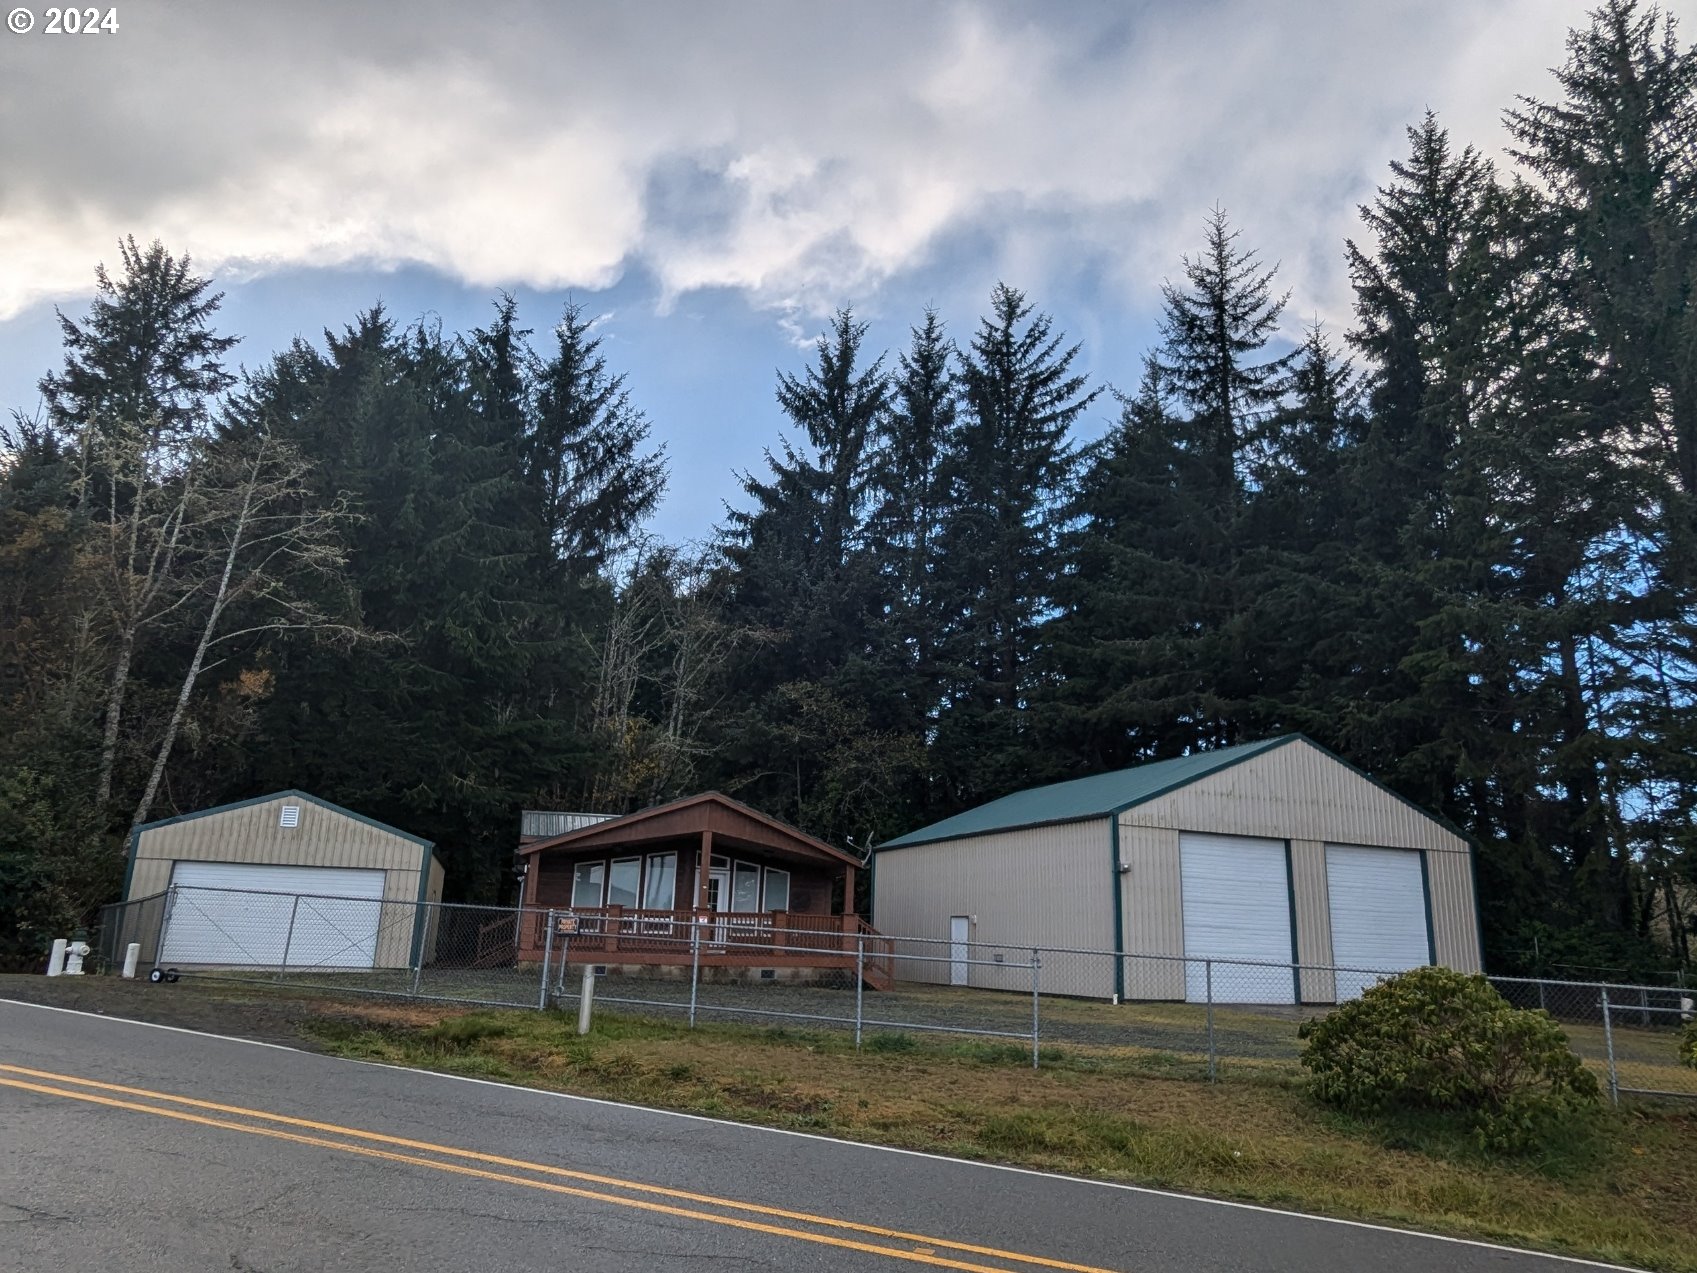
(1174, 1014)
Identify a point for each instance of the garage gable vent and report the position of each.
(290, 817)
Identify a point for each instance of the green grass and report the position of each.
(1616, 1186)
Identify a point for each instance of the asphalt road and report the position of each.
(271, 1159)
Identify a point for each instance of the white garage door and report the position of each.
(1236, 907)
(1378, 904)
(243, 915)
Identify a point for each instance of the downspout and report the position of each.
(1119, 905)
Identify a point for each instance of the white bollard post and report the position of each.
(132, 957)
(586, 1000)
(56, 960)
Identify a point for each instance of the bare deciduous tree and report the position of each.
(267, 552)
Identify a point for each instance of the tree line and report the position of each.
(408, 570)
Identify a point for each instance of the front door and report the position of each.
(718, 901)
(960, 939)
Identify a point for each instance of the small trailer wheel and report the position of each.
(172, 975)
(156, 976)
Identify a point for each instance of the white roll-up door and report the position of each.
(1236, 907)
(1378, 906)
(246, 915)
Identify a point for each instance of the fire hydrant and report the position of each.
(74, 954)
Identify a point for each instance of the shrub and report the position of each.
(1688, 1045)
(1434, 1039)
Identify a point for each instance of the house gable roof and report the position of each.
(711, 810)
(1098, 796)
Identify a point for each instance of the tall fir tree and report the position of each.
(910, 507)
(801, 581)
(1011, 465)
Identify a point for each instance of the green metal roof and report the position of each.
(1083, 798)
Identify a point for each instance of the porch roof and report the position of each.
(730, 821)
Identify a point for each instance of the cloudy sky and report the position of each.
(715, 178)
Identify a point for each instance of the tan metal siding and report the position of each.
(1042, 886)
(323, 837)
(1313, 920)
(1296, 792)
(1153, 902)
(1299, 793)
(1455, 922)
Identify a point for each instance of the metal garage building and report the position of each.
(235, 873)
(1275, 852)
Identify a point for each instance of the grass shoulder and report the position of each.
(1613, 1185)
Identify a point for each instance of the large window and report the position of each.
(777, 889)
(745, 887)
(623, 882)
(661, 887)
(586, 883)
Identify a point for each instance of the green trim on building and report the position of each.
(1426, 898)
(1119, 905)
(1478, 911)
(1295, 949)
(420, 911)
(1085, 799)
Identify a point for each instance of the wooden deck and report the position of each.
(686, 938)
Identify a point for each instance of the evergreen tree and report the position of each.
(1214, 331)
(451, 724)
(1618, 155)
(910, 509)
(799, 576)
(1121, 687)
(1009, 472)
(587, 454)
(147, 353)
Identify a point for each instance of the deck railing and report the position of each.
(618, 934)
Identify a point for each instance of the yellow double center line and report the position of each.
(922, 1249)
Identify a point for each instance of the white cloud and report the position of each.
(802, 155)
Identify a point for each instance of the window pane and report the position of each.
(623, 881)
(777, 889)
(662, 884)
(586, 883)
(745, 887)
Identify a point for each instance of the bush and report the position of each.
(1433, 1039)
(1688, 1046)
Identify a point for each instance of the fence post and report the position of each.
(563, 960)
(289, 940)
(1609, 1044)
(859, 985)
(547, 958)
(1208, 982)
(694, 965)
(1036, 963)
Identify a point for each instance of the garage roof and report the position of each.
(1082, 798)
(291, 794)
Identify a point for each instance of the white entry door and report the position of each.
(244, 915)
(719, 902)
(1236, 908)
(960, 942)
(1378, 906)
